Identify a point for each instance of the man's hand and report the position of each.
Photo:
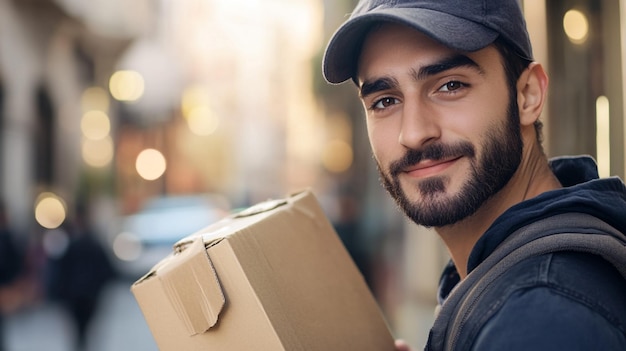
(401, 345)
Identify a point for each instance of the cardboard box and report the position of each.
(273, 277)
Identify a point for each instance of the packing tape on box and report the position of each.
(194, 289)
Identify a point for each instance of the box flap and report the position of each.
(193, 288)
(215, 232)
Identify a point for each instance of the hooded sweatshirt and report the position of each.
(575, 301)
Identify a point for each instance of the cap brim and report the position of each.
(342, 52)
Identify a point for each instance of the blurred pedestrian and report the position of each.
(80, 274)
(10, 265)
(452, 100)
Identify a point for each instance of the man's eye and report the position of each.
(384, 102)
(451, 86)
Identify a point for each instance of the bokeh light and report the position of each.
(126, 85)
(95, 125)
(603, 136)
(55, 242)
(50, 210)
(150, 164)
(98, 153)
(202, 121)
(95, 98)
(576, 26)
(127, 247)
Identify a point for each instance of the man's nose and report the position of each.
(419, 125)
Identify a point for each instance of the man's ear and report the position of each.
(532, 87)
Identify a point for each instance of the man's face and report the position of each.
(444, 131)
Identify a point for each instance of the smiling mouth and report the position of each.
(429, 168)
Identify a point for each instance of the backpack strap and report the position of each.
(565, 232)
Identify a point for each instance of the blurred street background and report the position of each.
(127, 125)
(119, 325)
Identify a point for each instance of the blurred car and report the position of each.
(148, 236)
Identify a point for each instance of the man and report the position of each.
(453, 100)
(10, 265)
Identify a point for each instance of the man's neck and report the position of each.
(532, 178)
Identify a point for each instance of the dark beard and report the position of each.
(488, 175)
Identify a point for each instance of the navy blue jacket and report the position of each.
(557, 301)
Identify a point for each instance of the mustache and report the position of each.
(434, 152)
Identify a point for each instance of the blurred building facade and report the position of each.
(224, 96)
(230, 94)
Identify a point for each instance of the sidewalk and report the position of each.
(119, 326)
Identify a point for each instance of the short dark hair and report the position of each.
(514, 65)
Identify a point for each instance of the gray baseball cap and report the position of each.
(466, 25)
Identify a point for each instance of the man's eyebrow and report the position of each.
(445, 64)
(370, 87)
